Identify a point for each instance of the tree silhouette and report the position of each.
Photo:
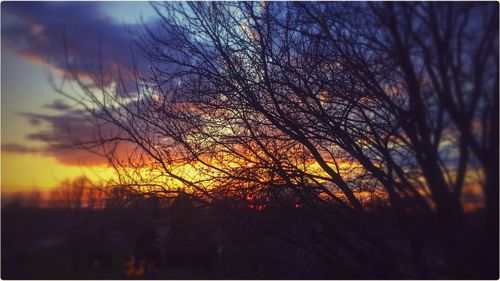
(344, 107)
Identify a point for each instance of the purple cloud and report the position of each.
(58, 105)
(68, 36)
(67, 133)
(18, 148)
(71, 37)
(73, 138)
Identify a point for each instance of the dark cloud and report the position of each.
(58, 105)
(80, 33)
(63, 154)
(18, 148)
(73, 138)
(67, 132)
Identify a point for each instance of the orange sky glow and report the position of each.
(26, 165)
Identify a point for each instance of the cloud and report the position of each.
(58, 105)
(70, 37)
(68, 132)
(65, 130)
(74, 138)
(18, 148)
(64, 155)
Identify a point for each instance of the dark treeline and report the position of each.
(169, 239)
(180, 239)
(153, 237)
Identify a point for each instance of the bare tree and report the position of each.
(326, 107)
(442, 92)
(77, 194)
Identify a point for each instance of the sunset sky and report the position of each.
(35, 37)
(32, 112)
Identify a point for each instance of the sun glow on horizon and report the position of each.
(25, 172)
